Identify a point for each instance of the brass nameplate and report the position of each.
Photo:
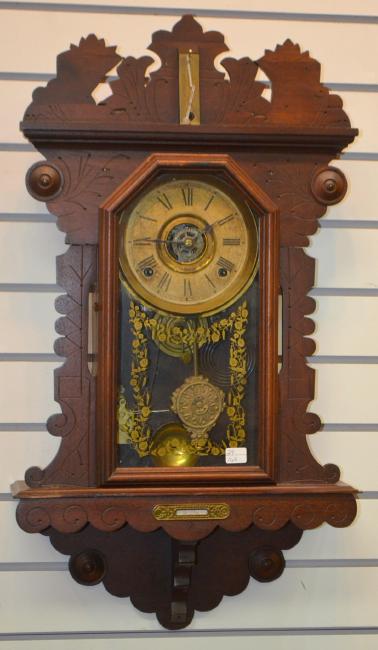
(194, 511)
(189, 90)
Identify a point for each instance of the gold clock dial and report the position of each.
(188, 246)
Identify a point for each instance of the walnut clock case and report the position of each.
(187, 198)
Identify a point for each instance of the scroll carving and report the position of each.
(74, 385)
(141, 100)
(296, 377)
(107, 513)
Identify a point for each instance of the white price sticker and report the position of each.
(236, 455)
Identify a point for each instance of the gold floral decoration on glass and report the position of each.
(134, 427)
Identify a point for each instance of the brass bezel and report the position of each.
(222, 299)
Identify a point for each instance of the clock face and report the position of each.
(188, 246)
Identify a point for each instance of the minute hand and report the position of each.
(210, 226)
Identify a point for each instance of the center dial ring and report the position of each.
(185, 245)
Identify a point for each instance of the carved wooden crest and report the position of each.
(230, 99)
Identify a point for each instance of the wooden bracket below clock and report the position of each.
(187, 198)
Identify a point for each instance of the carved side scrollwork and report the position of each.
(297, 379)
(74, 385)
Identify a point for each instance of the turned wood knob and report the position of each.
(328, 185)
(266, 564)
(87, 567)
(44, 181)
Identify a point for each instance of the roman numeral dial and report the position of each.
(187, 195)
(188, 245)
(164, 282)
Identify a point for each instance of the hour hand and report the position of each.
(209, 227)
(148, 240)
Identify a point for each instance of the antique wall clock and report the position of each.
(187, 198)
